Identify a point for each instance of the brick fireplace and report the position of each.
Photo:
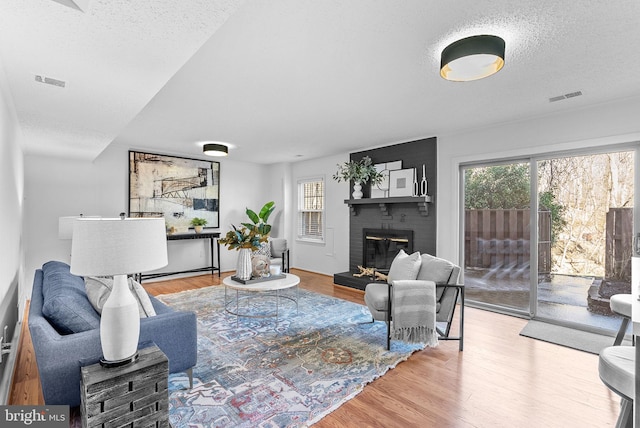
(380, 246)
(391, 221)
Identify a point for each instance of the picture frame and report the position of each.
(175, 188)
(381, 190)
(401, 182)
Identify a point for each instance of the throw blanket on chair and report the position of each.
(413, 312)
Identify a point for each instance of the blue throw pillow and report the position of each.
(65, 303)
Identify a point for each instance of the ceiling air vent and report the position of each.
(50, 81)
(565, 96)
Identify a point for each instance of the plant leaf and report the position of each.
(266, 210)
(252, 216)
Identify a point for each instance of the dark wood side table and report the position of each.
(211, 236)
(134, 395)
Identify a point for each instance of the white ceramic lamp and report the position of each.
(118, 247)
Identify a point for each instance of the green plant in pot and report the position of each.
(251, 237)
(198, 224)
(259, 220)
(360, 172)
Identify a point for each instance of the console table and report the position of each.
(211, 236)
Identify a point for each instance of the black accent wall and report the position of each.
(403, 215)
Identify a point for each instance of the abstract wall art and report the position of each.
(176, 188)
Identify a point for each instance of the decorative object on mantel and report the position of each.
(360, 172)
(250, 237)
(198, 223)
(401, 182)
(381, 190)
(423, 183)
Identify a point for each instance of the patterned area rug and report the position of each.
(254, 372)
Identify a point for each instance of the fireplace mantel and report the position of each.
(397, 212)
(384, 203)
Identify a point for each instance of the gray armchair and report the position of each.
(445, 276)
(279, 253)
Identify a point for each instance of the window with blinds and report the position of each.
(311, 209)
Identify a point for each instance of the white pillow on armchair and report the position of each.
(435, 269)
(404, 266)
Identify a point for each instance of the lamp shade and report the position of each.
(118, 246)
(472, 58)
(215, 149)
(114, 246)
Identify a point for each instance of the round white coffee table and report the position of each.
(262, 290)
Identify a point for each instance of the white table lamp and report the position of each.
(118, 247)
(65, 225)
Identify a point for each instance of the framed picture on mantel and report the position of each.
(382, 190)
(401, 182)
(176, 188)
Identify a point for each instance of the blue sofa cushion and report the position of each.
(65, 304)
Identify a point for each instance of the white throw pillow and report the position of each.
(99, 288)
(435, 269)
(404, 266)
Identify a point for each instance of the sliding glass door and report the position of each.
(589, 199)
(497, 235)
(550, 237)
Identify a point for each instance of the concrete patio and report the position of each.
(562, 297)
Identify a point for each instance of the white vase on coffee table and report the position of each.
(243, 265)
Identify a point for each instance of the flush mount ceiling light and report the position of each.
(212, 149)
(472, 58)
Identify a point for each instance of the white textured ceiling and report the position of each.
(297, 79)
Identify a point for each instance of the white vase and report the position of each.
(243, 266)
(357, 191)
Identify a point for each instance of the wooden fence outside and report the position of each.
(499, 239)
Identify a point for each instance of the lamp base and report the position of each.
(118, 363)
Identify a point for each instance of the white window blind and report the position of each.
(311, 209)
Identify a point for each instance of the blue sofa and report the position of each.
(75, 339)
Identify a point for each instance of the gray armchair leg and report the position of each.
(388, 335)
(190, 374)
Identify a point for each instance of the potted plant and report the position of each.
(198, 224)
(242, 238)
(359, 172)
(251, 237)
(259, 220)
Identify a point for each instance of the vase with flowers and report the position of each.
(360, 172)
(249, 238)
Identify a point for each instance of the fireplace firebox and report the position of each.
(381, 246)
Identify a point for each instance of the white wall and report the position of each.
(596, 126)
(56, 187)
(11, 192)
(332, 256)
(11, 255)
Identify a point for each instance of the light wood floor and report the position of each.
(501, 379)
